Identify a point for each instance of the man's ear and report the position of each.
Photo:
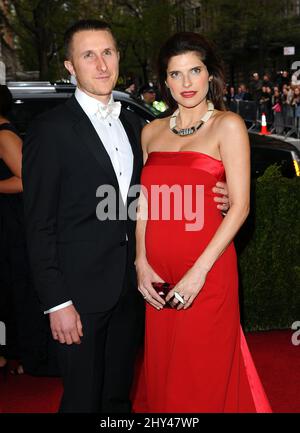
(70, 68)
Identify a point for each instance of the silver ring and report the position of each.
(145, 296)
(184, 300)
(179, 297)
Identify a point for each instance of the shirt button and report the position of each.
(120, 173)
(117, 149)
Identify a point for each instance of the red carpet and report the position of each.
(277, 361)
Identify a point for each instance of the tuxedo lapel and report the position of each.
(132, 140)
(89, 138)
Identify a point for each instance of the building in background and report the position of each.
(8, 51)
(199, 15)
(250, 36)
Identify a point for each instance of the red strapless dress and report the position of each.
(195, 360)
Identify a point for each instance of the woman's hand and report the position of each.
(187, 288)
(146, 276)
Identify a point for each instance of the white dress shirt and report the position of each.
(114, 138)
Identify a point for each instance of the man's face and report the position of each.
(149, 97)
(94, 62)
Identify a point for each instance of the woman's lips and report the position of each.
(188, 94)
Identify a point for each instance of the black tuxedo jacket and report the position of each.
(73, 255)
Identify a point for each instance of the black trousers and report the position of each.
(97, 374)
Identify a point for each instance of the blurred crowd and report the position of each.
(277, 95)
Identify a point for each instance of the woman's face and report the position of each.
(187, 79)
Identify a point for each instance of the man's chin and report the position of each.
(96, 92)
(103, 92)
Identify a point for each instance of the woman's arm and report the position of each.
(235, 155)
(142, 211)
(11, 153)
(145, 273)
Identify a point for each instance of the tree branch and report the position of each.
(130, 7)
(9, 24)
(142, 62)
(22, 18)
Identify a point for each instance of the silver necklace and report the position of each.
(192, 129)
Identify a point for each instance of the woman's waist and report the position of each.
(186, 230)
(182, 212)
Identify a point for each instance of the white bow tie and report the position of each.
(112, 108)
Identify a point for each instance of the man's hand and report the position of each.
(221, 188)
(66, 325)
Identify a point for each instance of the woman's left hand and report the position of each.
(187, 288)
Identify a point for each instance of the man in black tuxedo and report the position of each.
(84, 267)
(83, 264)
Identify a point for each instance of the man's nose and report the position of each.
(101, 64)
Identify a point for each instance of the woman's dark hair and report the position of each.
(184, 42)
(80, 26)
(6, 100)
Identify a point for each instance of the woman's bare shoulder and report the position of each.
(232, 133)
(153, 128)
(8, 138)
(228, 120)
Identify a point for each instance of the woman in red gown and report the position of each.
(196, 358)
